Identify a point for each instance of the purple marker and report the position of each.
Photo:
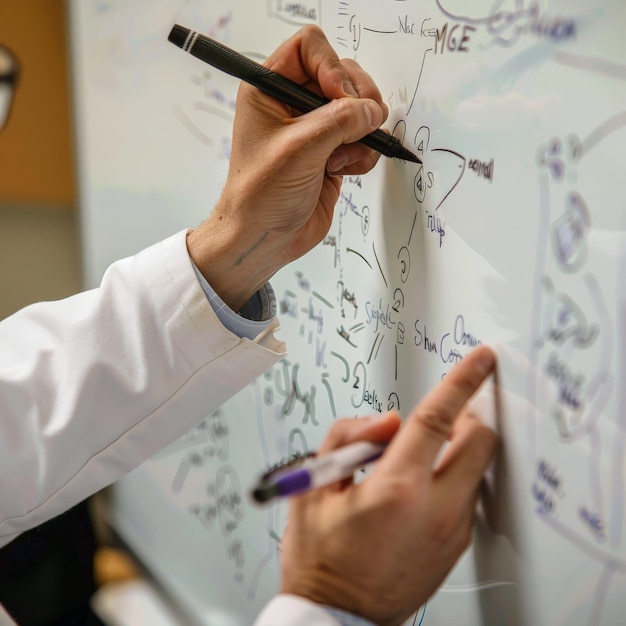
(318, 471)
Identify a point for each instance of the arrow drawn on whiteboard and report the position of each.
(460, 166)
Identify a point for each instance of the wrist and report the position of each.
(236, 259)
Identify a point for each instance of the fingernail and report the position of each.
(485, 361)
(337, 160)
(348, 88)
(374, 114)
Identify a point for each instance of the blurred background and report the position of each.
(48, 575)
(39, 232)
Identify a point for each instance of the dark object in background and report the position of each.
(46, 574)
(9, 72)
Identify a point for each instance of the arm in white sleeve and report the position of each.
(93, 385)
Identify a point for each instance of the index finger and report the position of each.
(307, 55)
(430, 423)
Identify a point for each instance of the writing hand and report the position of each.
(381, 548)
(280, 193)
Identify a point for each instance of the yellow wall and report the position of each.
(39, 241)
(36, 151)
(39, 257)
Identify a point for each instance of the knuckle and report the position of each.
(341, 112)
(467, 385)
(399, 495)
(445, 529)
(395, 503)
(339, 120)
(436, 420)
(311, 31)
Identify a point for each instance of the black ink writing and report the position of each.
(436, 225)
(454, 40)
(482, 169)
(379, 316)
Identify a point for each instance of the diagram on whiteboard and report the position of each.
(510, 232)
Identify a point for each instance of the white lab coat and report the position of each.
(93, 385)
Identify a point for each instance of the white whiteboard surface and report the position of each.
(511, 234)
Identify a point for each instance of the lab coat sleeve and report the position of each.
(93, 385)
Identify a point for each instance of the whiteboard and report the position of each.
(510, 234)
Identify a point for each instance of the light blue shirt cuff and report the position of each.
(253, 318)
(347, 619)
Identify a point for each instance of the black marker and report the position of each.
(279, 87)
